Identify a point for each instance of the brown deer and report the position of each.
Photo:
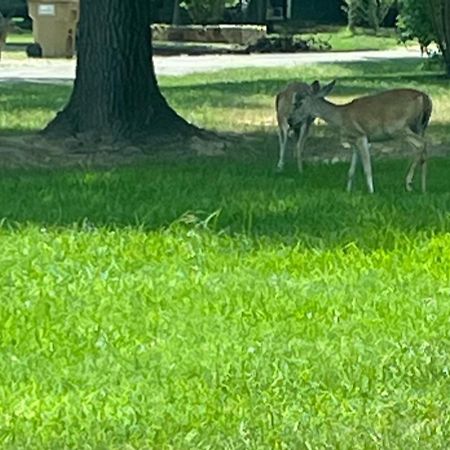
(284, 104)
(395, 113)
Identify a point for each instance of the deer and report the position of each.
(284, 104)
(5, 27)
(395, 113)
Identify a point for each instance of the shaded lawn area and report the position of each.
(214, 304)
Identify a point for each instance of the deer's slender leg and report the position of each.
(352, 169)
(282, 139)
(419, 145)
(363, 147)
(301, 145)
(424, 175)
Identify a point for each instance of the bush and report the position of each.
(207, 11)
(369, 13)
(414, 22)
(427, 21)
(439, 12)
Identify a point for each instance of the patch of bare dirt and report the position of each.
(34, 151)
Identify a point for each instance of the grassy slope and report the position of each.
(213, 304)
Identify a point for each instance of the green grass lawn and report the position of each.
(342, 39)
(214, 304)
(22, 38)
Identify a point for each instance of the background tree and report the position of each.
(207, 11)
(440, 19)
(176, 12)
(369, 13)
(414, 22)
(116, 94)
(427, 21)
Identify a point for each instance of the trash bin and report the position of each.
(54, 26)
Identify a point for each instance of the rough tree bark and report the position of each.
(116, 94)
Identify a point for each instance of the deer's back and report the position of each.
(385, 114)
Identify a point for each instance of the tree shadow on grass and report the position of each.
(249, 199)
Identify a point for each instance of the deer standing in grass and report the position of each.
(284, 104)
(5, 28)
(395, 113)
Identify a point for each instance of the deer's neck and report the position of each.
(328, 111)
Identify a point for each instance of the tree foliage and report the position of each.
(440, 19)
(414, 21)
(369, 13)
(427, 21)
(207, 11)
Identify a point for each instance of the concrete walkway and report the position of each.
(60, 70)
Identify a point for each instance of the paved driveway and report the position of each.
(42, 70)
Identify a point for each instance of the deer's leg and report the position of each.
(424, 163)
(363, 147)
(282, 139)
(351, 171)
(301, 145)
(419, 145)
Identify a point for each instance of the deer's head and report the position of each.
(303, 102)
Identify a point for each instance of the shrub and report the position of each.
(440, 15)
(414, 21)
(207, 11)
(369, 13)
(427, 21)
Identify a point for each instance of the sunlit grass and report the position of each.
(24, 37)
(342, 39)
(13, 55)
(209, 305)
(215, 304)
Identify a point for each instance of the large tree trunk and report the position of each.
(116, 94)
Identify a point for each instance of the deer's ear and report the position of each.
(315, 86)
(325, 90)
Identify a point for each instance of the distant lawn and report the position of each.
(25, 37)
(213, 304)
(16, 44)
(341, 39)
